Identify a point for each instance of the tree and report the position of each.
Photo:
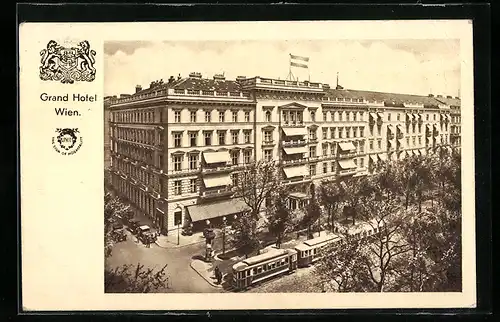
(127, 279)
(330, 198)
(353, 192)
(341, 267)
(245, 235)
(280, 218)
(256, 184)
(114, 208)
(379, 256)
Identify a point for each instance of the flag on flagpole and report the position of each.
(299, 61)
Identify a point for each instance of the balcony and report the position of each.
(267, 142)
(347, 172)
(217, 193)
(390, 136)
(296, 180)
(294, 161)
(224, 168)
(399, 135)
(293, 124)
(347, 155)
(313, 140)
(293, 143)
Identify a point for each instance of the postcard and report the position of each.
(247, 165)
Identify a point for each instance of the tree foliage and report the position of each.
(130, 279)
(256, 184)
(245, 234)
(114, 208)
(280, 218)
(419, 248)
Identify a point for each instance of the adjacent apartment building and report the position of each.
(176, 147)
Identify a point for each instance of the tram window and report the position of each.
(286, 260)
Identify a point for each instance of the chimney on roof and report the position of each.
(431, 95)
(439, 96)
(179, 77)
(138, 88)
(115, 97)
(171, 79)
(195, 75)
(219, 77)
(449, 96)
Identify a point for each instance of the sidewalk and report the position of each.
(206, 271)
(174, 241)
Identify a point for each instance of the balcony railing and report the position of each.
(347, 172)
(294, 161)
(293, 124)
(296, 180)
(267, 142)
(223, 168)
(347, 155)
(293, 143)
(217, 193)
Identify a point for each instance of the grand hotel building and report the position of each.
(177, 146)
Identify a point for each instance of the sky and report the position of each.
(397, 66)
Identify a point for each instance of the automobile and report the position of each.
(118, 232)
(145, 234)
(132, 225)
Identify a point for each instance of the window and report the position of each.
(177, 116)
(341, 132)
(389, 117)
(348, 132)
(234, 177)
(325, 133)
(426, 117)
(177, 139)
(234, 136)
(356, 162)
(268, 155)
(247, 136)
(341, 114)
(312, 169)
(325, 167)
(312, 134)
(333, 133)
(178, 217)
(413, 140)
(221, 116)
(434, 117)
(247, 116)
(208, 116)
(361, 162)
(235, 116)
(361, 147)
(325, 116)
(313, 116)
(268, 116)
(247, 155)
(222, 137)
(407, 141)
(332, 149)
(354, 131)
(177, 161)
(312, 151)
(379, 143)
(192, 185)
(192, 116)
(193, 161)
(398, 117)
(419, 140)
(193, 136)
(177, 187)
(268, 136)
(325, 149)
(235, 157)
(208, 138)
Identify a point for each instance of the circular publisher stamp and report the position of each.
(67, 141)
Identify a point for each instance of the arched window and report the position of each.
(313, 116)
(268, 116)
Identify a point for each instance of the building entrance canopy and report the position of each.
(218, 209)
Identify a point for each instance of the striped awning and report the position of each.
(212, 181)
(347, 164)
(402, 155)
(374, 115)
(400, 127)
(295, 131)
(297, 171)
(373, 157)
(295, 150)
(217, 157)
(382, 156)
(347, 146)
(381, 115)
(217, 209)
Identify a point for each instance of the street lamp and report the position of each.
(223, 235)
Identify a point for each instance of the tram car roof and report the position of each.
(316, 241)
(272, 253)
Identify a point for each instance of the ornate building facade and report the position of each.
(176, 147)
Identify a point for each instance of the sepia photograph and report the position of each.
(282, 166)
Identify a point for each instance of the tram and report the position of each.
(311, 250)
(273, 263)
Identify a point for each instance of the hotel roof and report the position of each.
(391, 98)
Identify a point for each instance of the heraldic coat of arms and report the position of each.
(67, 65)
